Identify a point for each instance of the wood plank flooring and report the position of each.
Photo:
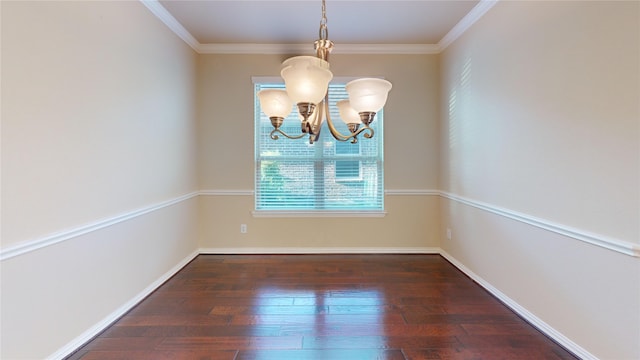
(261, 307)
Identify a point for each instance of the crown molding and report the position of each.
(254, 49)
(161, 13)
(308, 49)
(463, 25)
(386, 49)
(476, 13)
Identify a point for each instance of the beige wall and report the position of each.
(411, 224)
(55, 298)
(541, 119)
(106, 113)
(225, 95)
(98, 120)
(541, 103)
(225, 112)
(94, 114)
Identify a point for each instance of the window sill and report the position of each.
(317, 214)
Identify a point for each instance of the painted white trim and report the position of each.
(603, 241)
(226, 192)
(308, 49)
(412, 192)
(606, 242)
(390, 192)
(278, 49)
(386, 49)
(76, 343)
(316, 214)
(174, 25)
(621, 246)
(520, 310)
(322, 250)
(48, 240)
(528, 316)
(161, 13)
(52, 239)
(463, 25)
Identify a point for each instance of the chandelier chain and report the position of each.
(314, 110)
(324, 32)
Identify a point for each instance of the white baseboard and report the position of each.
(76, 343)
(603, 241)
(96, 329)
(520, 310)
(322, 250)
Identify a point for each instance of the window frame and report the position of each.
(319, 212)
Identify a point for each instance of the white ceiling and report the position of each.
(263, 22)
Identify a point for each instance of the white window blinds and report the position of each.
(327, 176)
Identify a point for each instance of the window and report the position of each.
(330, 175)
(347, 170)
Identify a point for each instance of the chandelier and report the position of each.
(306, 80)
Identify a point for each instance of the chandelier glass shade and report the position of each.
(306, 80)
(275, 102)
(368, 95)
(347, 113)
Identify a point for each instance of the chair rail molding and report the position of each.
(607, 242)
(390, 192)
(57, 237)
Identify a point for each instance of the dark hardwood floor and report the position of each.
(320, 307)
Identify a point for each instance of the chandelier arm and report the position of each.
(354, 135)
(316, 125)
(275, 136)
(312, 120)
(368, 135)
(316, 120)
(337, 134)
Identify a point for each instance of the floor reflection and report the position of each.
(324, 320)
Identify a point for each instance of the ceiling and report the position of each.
(263, 22)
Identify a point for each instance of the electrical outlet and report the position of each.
(243, 228)
(448, 234)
